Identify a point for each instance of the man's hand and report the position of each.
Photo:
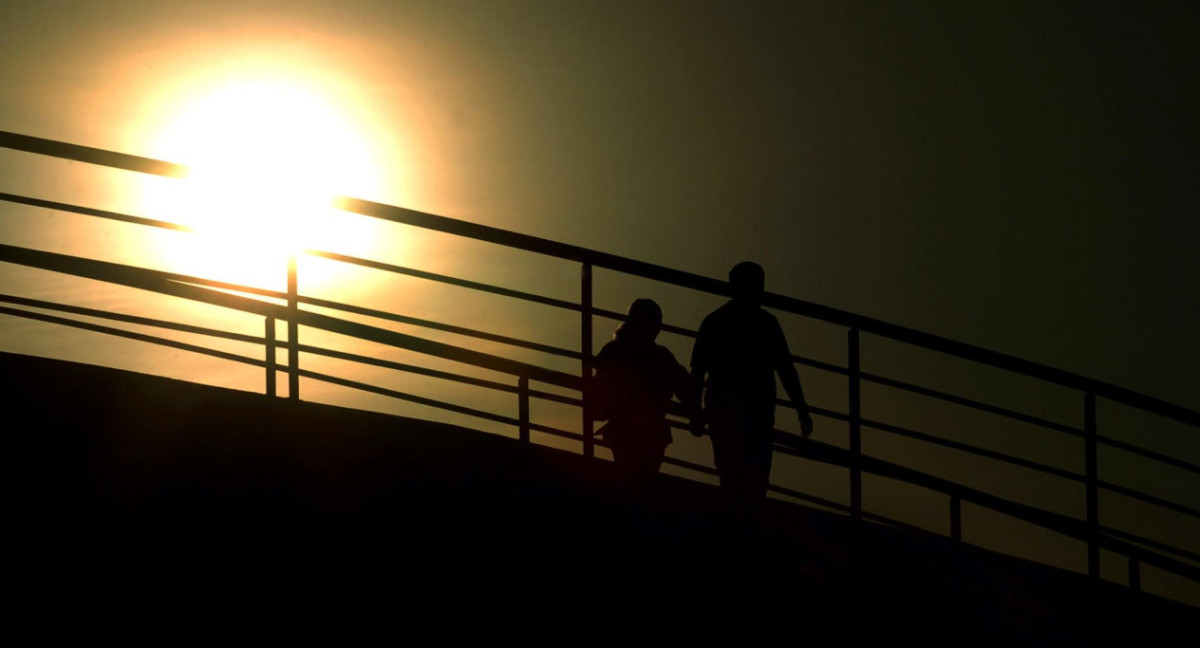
(806, 424)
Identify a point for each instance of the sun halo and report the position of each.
(266, 159)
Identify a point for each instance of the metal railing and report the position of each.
(277, 306)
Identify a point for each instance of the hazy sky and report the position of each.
(1020, 176)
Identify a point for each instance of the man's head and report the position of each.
(747, 282)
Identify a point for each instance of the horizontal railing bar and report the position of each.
(677, 408)
(682, 463)
(189, 279)
(136, 277)
(550, 396)
(1149, 454)
(438, 326)
(887, 521)
(793, 445)
(140, 337)
(170, 276)
(553, 431)
(446, 279)
(432, 373)
(963, 447)
(824, 366)
(966, 402)
(407, 368)
(783, 490)
(527, 242)
(429, 347)
(439, 404)
(221, 285)
(1075, 528)
(700, 468)
(789, 304)
(132, 319)
(1153, 544)
(91, 155)
(98, 213)
(1150, 557)
(1149, 499)
(420, 400)
(812, 409)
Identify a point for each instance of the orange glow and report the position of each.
(266, 157)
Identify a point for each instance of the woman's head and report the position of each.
(643, 321)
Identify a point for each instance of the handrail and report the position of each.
(802, 447)
(101, 157)
(643, 269)
(88, 211)
(130, 276)
(787, 443)
(213, 292)
(141, 337)
(925, 480)
(1066, 525)
(788, 304)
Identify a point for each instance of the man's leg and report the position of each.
(759, 452)
(727, 456)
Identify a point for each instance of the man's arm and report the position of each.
(791, 384)
(696, 386)
(791, 380)
(700, 353)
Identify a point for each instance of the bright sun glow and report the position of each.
(266, 159)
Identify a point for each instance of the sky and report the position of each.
(1019, 176)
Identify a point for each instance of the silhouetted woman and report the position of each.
(635, 379)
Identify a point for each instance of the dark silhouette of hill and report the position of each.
(189, 493)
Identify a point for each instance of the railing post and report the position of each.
(585, 349)
(270, 344)
(956, 518)
(523, 407)
(293, 306)
(1093, 504)
(855, 436)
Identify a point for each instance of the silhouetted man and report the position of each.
(739, 349)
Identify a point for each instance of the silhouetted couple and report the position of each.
(738, 350)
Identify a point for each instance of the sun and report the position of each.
(266, 159)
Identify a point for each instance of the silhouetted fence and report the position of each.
(285, 306)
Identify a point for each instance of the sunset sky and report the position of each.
(1019, 176)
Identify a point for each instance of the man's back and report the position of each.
(739, 347)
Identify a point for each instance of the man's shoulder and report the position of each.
(720, 314)
(729, 313)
